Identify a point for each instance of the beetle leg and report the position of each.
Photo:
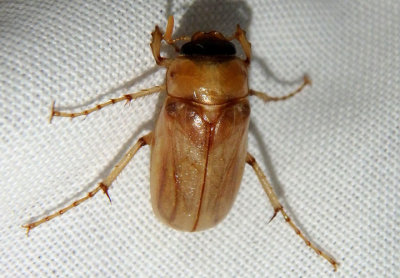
(128, 98)
(279, 208)
(157, 37)
(104, 185)
(265, 97)
(168, 30)
(155, 44)
(168, 34)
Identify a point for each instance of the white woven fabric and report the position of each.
(332, 153)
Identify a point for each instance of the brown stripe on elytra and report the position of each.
(162, 175)
(162, 183)
(227, 194)
(175, 205)
(210, 135)
(176, 186)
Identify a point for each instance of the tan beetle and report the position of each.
(199, 144)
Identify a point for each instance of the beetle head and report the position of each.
(208, 44)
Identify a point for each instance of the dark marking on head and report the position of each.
(208, 46)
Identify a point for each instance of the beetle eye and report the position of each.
(208, 47)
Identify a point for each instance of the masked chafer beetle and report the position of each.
(199, 144)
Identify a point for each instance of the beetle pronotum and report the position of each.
(199, 144)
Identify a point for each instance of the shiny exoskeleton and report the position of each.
(199, 143)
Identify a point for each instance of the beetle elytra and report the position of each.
(199, 143)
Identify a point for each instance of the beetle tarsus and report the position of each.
(28, 229)
(307, 80)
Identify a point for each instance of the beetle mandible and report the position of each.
(199, 143)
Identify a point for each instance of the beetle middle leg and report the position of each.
(104, 185)
(128, 98)
(279, 208)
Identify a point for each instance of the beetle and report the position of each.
(199, 143)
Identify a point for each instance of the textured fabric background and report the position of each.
(332, 153)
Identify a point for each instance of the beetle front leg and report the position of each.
(168, 34)
(155, 44)
(265, 97)
(104, 185)
(279, 208)
(127, 98)
(158, 37)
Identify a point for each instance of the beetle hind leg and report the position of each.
(279, 208)
(104, 185)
